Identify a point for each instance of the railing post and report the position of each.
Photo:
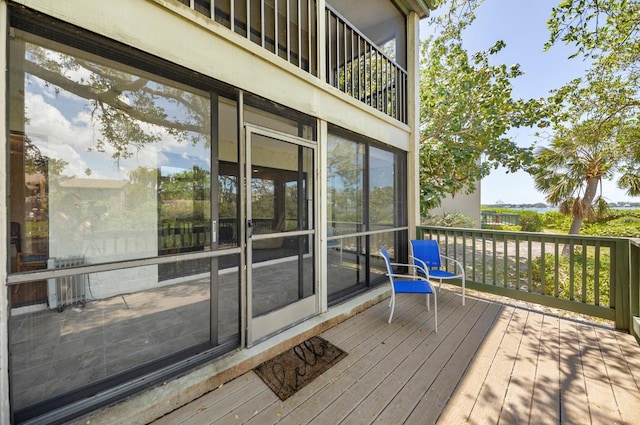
(622, 267)
(634, 287)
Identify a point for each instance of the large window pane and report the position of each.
(365, 195)
(381, 189)
(111, 163)
(108, 164)
(97, 337)
(345, 185)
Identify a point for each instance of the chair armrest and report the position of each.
(422, 267)
(458, 263)
(412, 266)
(409, 276)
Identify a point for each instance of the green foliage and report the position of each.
(466, 110)
(555, 220)
(598, 28)
(596, 127)
(618, 223)
(508, 227)
(628, 227)
(530, 221)
(563, 271)
(450, 220)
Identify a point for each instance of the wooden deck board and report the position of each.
(487, 363)
(359, 345)
(233, 395)
(604, 408)
(520, 389)
(427, 369)
(370, 391)
(464, 400)
(352, 385)
(545, 403)
(574, 403)
(625, 390)
(489, 407)
(439, 393)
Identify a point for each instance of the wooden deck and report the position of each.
(489, 363)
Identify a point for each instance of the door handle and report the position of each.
(249, 229)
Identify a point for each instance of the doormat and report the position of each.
(291, 370)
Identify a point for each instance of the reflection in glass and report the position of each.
(346, 260)
(107, 164)
(345, 185)
(98, 335)
(282, 267)
(381, 189)
(287, 278)
(280, 187)
(115, 162)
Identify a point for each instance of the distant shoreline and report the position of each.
(541, 208)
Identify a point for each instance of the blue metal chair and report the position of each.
(408, 284)
(426, 255)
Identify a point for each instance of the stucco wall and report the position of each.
(467, 204)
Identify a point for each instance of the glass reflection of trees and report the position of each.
(131, 111)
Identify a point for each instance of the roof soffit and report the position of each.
(421, 7)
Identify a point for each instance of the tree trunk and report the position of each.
(589, 196)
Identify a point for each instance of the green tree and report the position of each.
(466, 110)
(596, 132)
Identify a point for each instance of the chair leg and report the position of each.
(392, 304)
(435, 308)
(463, 279)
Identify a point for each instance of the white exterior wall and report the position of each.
(200, 44)
(462, 203)
(413, 109)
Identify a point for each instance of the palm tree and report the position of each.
(571, 170)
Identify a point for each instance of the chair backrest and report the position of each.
(428, 251)
(387, 261)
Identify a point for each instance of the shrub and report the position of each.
(628, 227)
(450, 220)
(557, 221)
(564, 287)
(530, 221)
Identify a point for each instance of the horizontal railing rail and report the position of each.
(492, 218)
(591, 275)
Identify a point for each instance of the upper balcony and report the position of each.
(364, 45)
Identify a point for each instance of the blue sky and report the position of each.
(522, 25)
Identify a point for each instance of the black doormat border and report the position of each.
(293, 369)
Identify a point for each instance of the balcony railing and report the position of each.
(597, 276)
(288, 28)
(356, 66)
(492, 218)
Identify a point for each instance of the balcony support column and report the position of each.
(412, 103)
